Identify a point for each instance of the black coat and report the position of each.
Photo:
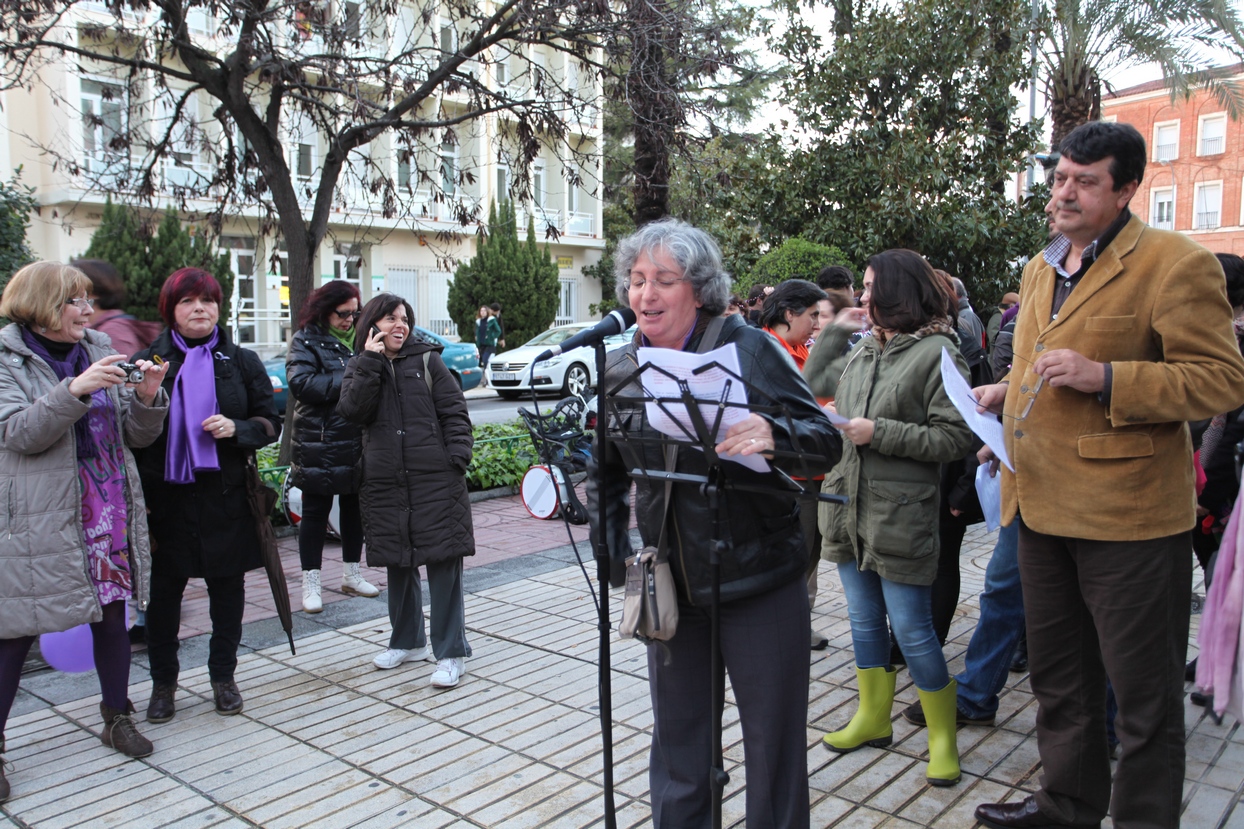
(326, 446)
(416, 448)
(205, 529)
(767, 549)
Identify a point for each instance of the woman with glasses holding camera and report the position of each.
(326, 446)
(74, 546)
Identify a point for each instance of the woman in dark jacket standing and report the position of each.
(326, 446)
(194, 476)
(416, 448)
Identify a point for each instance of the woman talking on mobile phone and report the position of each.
(416, 448)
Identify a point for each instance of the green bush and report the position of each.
(796, 259)
(503, 454)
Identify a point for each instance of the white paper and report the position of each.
(835, 418)
(989, 491)
(708, 387)
(986, 426)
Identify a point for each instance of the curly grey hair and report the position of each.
(691, 248)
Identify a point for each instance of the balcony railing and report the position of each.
(1167, 152)
(581, 224)
(1212, 146)
(1164, 224)
(1207, 220)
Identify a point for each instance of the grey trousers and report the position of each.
(764, 647)
(445, 597)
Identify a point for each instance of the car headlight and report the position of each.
(277, 385)
(552, 361)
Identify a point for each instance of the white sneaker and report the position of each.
(311, 602)
(353, 583)
(448, 672)
(396, 656)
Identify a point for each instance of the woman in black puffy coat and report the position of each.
(326, 446)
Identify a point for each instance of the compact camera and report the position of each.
(133, 374)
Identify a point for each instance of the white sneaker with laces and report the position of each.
(393, 657)
(311, 601)
(448, 672)
(353, 583)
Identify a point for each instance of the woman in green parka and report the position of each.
(884, 541)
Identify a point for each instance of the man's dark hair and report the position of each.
(835, 277)
(1233, 267)
(106, 283)
(1091, 142)
(794, 295)
(906, 294)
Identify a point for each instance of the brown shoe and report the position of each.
(1022, 814)
(161, 708)
(4, 784)
(228, 698)
(119, 732)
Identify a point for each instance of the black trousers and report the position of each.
(1108, 607)
(764, 648)
(226, 598)
(313, 528)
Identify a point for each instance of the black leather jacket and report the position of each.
(767, 548)
(326, 446)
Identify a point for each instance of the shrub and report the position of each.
(503, 454)
(795, 259)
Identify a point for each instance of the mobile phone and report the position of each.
(374, 331)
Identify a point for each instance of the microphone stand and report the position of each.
(603, 563)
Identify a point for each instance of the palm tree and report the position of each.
(1085, 39)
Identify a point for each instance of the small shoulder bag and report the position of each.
(650, 605)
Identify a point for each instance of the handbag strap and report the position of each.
(707, 342)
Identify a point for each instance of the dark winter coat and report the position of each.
(767, 547)
(205, 529)
(326, 446)
(416, 448)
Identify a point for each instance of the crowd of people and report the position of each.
(1119, 356)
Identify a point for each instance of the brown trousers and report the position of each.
(1117, 608)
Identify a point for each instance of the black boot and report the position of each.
(161, 708)
(228, 698)
(119, 732)
(1019, 663)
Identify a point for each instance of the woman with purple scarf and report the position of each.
(221, 411)
(73, 545)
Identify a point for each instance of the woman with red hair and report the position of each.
(194, 476)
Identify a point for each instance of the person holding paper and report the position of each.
(671, 274)
(1124, 334)
(902, 426)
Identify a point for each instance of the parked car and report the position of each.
(569, 374)
(461, 358)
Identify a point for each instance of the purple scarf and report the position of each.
(190, 449)
(76, 362)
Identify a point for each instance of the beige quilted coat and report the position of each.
(44, 585)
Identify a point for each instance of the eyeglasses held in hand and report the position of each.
(1030, 391)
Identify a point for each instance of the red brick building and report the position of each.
(1194, 181)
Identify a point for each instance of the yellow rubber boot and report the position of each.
(939, 713)
(871, 724)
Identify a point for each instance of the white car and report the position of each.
(571, 373)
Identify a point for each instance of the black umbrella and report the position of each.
(262, 499)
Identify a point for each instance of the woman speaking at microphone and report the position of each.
(671, 275)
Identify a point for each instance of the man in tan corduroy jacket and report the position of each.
(1124, 335)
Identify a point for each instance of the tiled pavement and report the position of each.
(326, 740)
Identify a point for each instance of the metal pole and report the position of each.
(1032, 96)
(602, 576)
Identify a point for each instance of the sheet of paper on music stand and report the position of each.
(986, 426)
(671, 418)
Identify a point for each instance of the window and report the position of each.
(449, 168)
(1207, 213)
(1166, 141)
(1162, 209)
(302, 147)
(448, 37)
(503, 183)
(180, 161)
(568, 301)
(537, 184)
(403, 168)
(103, 124)
(1213, 134)
(501, 69)
(353, 20)
(347, 262)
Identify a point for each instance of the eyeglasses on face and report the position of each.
(81, 303)
(348, 315)
(661, 283)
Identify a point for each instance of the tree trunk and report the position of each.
(655, 106)
(1072, 103)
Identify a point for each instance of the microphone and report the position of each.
(617, 321)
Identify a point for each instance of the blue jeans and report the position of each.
(910, 609)
(993, 643)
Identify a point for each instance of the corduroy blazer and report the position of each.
(1154, 306)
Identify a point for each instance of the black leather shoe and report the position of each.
(1023, 814)
(228, 698)
(914, 714)
(161, 708)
